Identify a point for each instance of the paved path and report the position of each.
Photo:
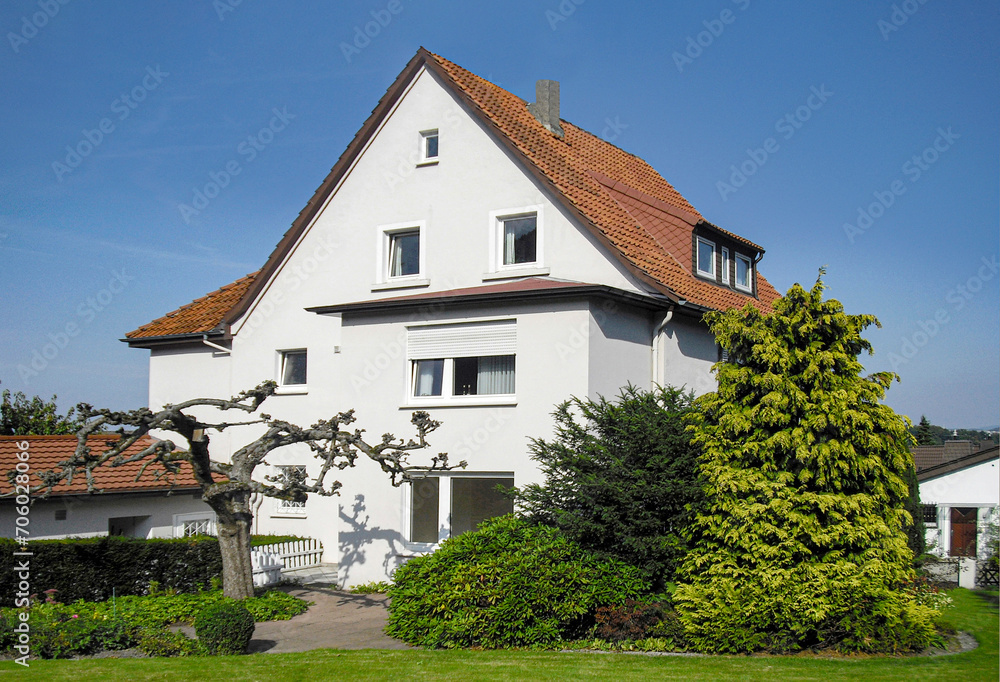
(336, 620)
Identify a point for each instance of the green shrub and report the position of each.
(507, 584)
(621, 479)
(165, 643)
(261, 540)
(374, 587)
(58, 631)
(224, 628)
(96, 568)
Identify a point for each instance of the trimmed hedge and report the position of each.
(91, 568)
(225, 628)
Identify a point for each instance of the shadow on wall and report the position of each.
(357, 541)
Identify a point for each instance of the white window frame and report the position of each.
(736, 282)
(384, 257)
(285, 508)
(725, 265)
(289, 389)
(697, 259)
(426, 160)
(181, 519)
(444, 506)
(447, 397)
(496, 232)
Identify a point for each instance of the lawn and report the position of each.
(973, 612)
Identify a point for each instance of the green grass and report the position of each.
(973, 612)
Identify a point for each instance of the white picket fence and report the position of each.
(269, 560)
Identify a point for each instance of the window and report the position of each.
(429, 146)
(462, 361)
(706, 257)
(404, 253)
(60, 514)
(463, 502)
(725, 265)
(197, 523)
(744, 270)
(520, 240)
(293, 472)
(293, 368)
(930, 515)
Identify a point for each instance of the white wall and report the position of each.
(976, 486)
(620, 349)
(87, 516)
(688, 351)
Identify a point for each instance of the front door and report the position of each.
(963, 531)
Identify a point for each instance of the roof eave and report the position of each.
(174, 339)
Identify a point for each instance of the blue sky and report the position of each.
(782, 121)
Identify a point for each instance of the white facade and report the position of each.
(975, 487)
(456, 202)
(146, 515)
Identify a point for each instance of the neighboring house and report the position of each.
(149, 507)
(472, 255)
(961, 497)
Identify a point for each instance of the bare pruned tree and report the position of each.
(227, 486)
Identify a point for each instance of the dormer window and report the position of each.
(429, 146)
(744, 273)
(725, 265)
(706, 258)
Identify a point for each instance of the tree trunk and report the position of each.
(233, 519)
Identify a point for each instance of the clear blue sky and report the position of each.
(98, 244)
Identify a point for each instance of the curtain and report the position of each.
(496, 375)
(429, 377)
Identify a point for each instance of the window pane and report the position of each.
(466, 376)
(404, 254)
(742, 272)
(706, 257)
(473, 500)
(431, 149)
(496, 375)
(425, 493)
(293, 371)
(725, 266)
(288, 471)
(428, 375)
(519, 240)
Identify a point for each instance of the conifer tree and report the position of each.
(924, 434)
(801, 541)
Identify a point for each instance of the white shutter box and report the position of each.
(462, 340)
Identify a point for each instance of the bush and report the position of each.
(622, 480)
(95, 568)
(58, 631)
(165, 643)
(631, 621)
(374, 587)
(224, 628)
(507, 584)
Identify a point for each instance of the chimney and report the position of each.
(546, 106)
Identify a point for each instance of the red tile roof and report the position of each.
(201, 315)
(45, 453)
(618, 197)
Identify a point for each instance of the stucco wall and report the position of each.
(978, 486)
(688, 353)
(87, 516)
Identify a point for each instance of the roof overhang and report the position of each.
(484, 295)
(174, 339)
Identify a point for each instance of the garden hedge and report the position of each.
(93, 568)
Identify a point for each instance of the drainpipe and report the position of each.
(658, 362)
(223, 349)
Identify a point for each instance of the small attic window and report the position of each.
(706, 258)
(428, 146)
(744, 273)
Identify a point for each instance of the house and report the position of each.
(473, 255)
(143, 506)
(961, 498)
